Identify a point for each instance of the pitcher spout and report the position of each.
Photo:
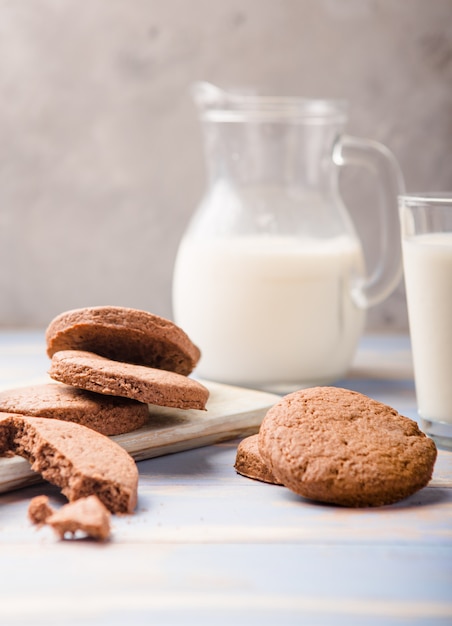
(210, 98)
(206, 94)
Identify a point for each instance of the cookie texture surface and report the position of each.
(249, 461)
(124, 334)
(75, 458)
(339, 446)
(146, 384)
(106, 414)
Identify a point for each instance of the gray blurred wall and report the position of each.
(101, 162)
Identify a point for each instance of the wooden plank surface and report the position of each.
(208, 546)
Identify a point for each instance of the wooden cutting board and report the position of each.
(231, 412)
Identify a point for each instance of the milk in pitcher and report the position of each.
(270, 308)
(269, 276)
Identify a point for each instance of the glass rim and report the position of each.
(431, 197)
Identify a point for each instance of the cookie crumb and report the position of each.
(87, 515)
(39, 510)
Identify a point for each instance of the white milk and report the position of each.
(269, 310)
(428, 279)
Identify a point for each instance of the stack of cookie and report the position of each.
(338, 446)
(110, 363)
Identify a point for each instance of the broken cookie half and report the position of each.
(80, 461)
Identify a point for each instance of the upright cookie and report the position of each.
(146, 384)
(249, 461)
(77, 459)
(107, 414)
(124, 334)
(339, 446)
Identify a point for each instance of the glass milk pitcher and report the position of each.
(270, 280)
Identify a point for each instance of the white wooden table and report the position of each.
(207, 546)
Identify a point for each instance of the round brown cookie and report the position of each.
(339, 446)
(250, 463)
(107, 414)
(146, 384)
(77, 459)
(124, 334)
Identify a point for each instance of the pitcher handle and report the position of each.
(375, 156)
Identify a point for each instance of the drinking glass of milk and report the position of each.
(270, 279)
(427, 259)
